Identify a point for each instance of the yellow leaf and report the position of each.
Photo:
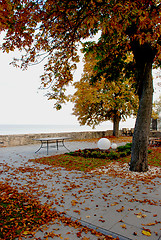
(26, 232)
(146, 233)
(123, 226)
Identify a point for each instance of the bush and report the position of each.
(125, 147)
(121, 148)
(121, 151)
(95, 154)
(123, 154)
(113, 155)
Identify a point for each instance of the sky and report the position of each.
(22, 102)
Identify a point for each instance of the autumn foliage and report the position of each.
(106, 90)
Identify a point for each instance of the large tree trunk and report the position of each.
(144, 56)
(116, 122)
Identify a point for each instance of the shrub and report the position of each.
(113, 155)
(121, 148)
(121, 151)
(123, 154)
(125, 147)
(128, 145)
(104, 155)
(128, 151)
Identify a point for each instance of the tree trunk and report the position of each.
(154, 124)
(144, 56)
(116, 122)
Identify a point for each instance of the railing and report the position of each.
(127, 131)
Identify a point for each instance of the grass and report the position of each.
(87, 164)
(72, 162)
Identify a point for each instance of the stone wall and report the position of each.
(26, 139)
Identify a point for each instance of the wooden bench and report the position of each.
(155, 141)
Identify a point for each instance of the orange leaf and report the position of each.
(120, 210)
(123, 226)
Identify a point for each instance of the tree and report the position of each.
(101, 101)
(99, 97)
(53, 29)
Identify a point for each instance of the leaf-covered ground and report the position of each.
(21, 215)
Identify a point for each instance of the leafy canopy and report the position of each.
(52, 30)
(104, 92)
(103, 101)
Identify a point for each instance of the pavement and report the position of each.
(123, 208)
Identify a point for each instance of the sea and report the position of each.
(10, 129)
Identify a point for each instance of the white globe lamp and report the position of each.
(114, 146)
(104, 144)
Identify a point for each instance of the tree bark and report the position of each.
(116, 122)
(144, 56)
(154, 124)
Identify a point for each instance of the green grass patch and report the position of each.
(72, 162)
(87, 160)
(154, 157)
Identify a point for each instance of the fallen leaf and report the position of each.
(140, 215)
(101, 220)
(121, 209)
(147, 233)
(74, 202)
(79, 234)
(123, 226)
(114, 204)
(86, 208)
(76, 211)
(149, 224)
(26, 232)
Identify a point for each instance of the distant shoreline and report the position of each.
(14, 129)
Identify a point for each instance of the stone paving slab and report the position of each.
(115, 206)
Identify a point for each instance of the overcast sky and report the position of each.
(22, 102)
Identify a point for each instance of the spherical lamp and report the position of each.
(114, 146)
(104, 144)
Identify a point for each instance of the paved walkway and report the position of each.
(114, 206)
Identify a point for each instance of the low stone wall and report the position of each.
(26, 139)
